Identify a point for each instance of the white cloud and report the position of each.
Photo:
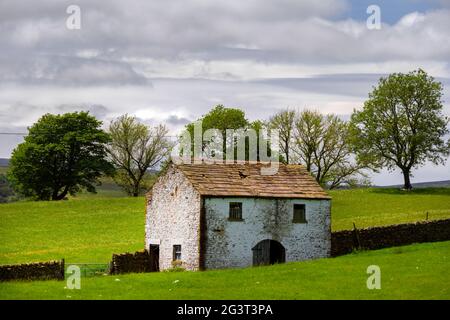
(411, 19)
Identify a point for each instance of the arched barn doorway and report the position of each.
(268, 252)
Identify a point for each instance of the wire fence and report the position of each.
(90, 269)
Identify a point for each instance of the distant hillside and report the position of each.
(4, 162)
(431, 184)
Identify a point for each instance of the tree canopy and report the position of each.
(135, 148)
(322, 145)
(402, 124)
(284, 121)
(61, 155)
(220, 119)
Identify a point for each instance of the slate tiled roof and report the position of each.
(245, 180)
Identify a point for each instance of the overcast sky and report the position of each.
(171, 61)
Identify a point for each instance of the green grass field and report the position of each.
(376, 207)
(89, 228)
(412, 272)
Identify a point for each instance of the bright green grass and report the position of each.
(90, 228)
(86, 229)
(108, 188)
(376, 207)
(418, 271)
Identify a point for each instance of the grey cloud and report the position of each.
(272, 31)
(175, 120)
(66, 70)
(171, 121)
(18, 115)
(97, 110)
(155, 27)
(357, 85)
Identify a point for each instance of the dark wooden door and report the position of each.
(154, 257)
(268, 252)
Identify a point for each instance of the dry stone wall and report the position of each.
(344, 242)
(33, 271)
(140, 261)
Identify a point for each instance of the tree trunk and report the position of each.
(61, 196)
(406, 177)
(136, 189)
(286, 148)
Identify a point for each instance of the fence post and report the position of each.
(63, 269)
(356, 241)
(112, 268)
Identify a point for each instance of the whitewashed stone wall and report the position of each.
(230, 243)
(173, 218)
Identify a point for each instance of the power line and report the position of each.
(49, 133)
(13, 133)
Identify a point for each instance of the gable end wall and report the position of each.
(172, 218)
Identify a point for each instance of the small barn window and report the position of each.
(177, 252)
(299, 213)
(235, 211)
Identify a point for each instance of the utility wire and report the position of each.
(49, 133)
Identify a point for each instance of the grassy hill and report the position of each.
(430, 184)
(382, 206)
(412, 272)
(89, 228)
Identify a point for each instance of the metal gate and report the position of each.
(90, 269)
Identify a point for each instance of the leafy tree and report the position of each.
(221, 119)
(61, 155)
(309, 128)
(284, 121)
(134, 149)
(258, 126)
(322, 145)
(401, 124)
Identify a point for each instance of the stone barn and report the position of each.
(210, 216)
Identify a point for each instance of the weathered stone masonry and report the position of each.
(173, 218)
(230, 243)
